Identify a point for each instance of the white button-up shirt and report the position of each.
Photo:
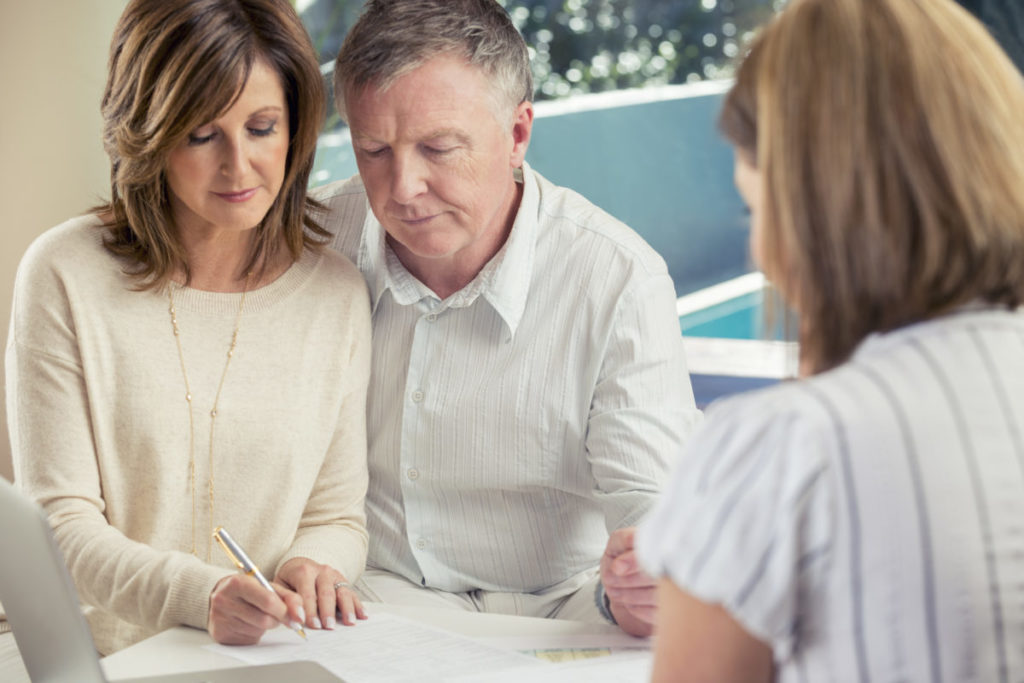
(512, 425)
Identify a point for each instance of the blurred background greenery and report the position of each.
(589, 46)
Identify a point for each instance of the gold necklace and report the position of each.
(213, 411)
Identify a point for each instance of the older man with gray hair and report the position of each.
(529, 388)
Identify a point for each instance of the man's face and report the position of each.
(437, 162)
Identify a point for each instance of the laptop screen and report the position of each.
(39, 598)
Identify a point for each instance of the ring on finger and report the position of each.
(341, 584)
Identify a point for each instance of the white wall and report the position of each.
(53, 57)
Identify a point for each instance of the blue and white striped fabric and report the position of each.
(867, 523)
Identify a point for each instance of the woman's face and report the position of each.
(748, 182)
(228, 172)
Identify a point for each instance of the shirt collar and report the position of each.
(371, 258)
(503, 282)
(509, 273)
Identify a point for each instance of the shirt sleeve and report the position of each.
(333, 525)
(748, 519)
(54, 455)
(643, 409)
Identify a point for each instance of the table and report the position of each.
(182, 649)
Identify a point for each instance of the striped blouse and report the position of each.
(867, 523)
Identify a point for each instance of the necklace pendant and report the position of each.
(213, 412)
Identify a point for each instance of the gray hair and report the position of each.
(394, 37)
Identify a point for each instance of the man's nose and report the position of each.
(408, 177)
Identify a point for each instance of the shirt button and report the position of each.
(417, 396)
(413, 473)
(432, 317)
(421, 543)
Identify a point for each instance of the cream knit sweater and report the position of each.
(100, 428)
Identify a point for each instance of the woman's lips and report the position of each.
(235, 197)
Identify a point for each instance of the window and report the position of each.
(627, 95)
(587, 46)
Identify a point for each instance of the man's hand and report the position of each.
(315, 583)
(241, 610)
(631, 593)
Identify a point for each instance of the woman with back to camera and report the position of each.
(187, 356)
(866, 522)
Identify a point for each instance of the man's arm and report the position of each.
(641, 415)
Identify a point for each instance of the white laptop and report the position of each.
(43, 610)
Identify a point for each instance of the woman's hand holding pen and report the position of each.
(242, 610)
(323, 592)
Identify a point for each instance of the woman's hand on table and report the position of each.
(242, 610)
(324, 592)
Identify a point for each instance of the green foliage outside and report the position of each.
(584, 46)
(589, 46)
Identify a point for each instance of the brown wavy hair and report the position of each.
(176, 65)
(890, 139)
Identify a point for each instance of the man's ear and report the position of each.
(522, 128)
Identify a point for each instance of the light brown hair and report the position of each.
(890, 139)
(394, 37)
(176, 65)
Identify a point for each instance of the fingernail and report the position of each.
(350, 618)
(316, 623)
(296, 626)
(330, 623)
(302, 615)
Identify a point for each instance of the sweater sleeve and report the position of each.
(333, 525)
(50, 408)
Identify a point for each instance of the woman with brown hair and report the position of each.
(865, 522)
(187, 356)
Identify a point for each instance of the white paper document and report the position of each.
(612, 642)
(384, 649)
(634, 667)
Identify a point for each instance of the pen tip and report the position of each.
(297, 627)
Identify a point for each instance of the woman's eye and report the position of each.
(264, 131)
(195, 139)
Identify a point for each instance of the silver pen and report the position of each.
(242, 561)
